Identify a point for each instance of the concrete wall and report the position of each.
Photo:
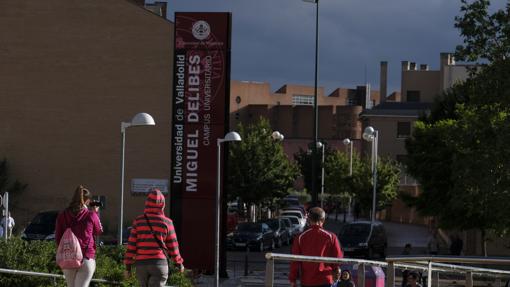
(389, 144)
(427, 82)
(70, 72)
(453, 75)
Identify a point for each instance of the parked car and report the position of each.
(253, 235)
(42, 227)
(281, 231)
(290, 228)
(362, 238)
(296, 213)
(296, 224)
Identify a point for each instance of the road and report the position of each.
(398, 235)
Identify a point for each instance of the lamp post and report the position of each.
(321, 146)
(229, 137)
(140, 119)
(372, 135)
(315, 108)
(347, 142)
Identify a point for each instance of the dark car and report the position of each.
(42, 227)
(360, 238)
(282, 233)
(253, 235)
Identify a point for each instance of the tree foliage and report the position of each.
(7, 184)
(486, 36)
(337, 180)
(303, 159)
(459, 153)
(259, 170)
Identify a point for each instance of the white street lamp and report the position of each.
(347, 142)
(321, 146)
(277, 136)
(141, 119)
(229, 137)
(372, 135)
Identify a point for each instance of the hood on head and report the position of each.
(155, 202)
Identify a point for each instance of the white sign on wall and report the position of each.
(144, 185)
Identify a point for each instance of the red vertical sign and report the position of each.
(200, 113)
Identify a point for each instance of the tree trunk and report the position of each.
(484, 243)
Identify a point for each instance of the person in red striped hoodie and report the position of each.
(151, 242)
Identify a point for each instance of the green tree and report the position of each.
(459, 152)
(259, 170)
(486, 36)
(337, 180)
(303, 159)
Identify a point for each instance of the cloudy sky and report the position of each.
(274, 40)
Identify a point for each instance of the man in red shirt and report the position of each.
(315, 241)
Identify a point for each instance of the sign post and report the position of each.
(200, 113)
(5, 204)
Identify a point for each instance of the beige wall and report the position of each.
(70, 72)
(259, 93)
(254, 93)
(389, 144)
(427, 82)
(453, 75)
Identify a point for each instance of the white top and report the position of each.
(10, 222)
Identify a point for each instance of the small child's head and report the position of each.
(345, 275)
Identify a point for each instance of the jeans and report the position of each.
(80, 277)
(152, 275)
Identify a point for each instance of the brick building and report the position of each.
(70, 72)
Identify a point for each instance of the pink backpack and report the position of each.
(69, 255)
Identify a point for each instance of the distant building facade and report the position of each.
(395, 119)
(290, 111)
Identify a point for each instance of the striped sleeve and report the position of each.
(172, 244)
(130, 255)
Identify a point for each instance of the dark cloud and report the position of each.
(274, 40)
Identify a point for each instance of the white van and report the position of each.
(296, 213)
(297, 224)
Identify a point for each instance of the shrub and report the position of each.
(36, 256)
(39, 256)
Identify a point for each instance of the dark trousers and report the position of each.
(325, 285)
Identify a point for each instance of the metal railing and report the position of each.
(436, 264)
(50, 275)
(433, 265)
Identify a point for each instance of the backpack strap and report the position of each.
(161, 246)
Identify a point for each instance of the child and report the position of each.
(345, 280)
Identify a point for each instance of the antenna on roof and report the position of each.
(366, 81)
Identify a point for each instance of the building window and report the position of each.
(403, 129)
(302, 100)
(413, 96)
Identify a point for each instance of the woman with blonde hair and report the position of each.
(85, 224)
